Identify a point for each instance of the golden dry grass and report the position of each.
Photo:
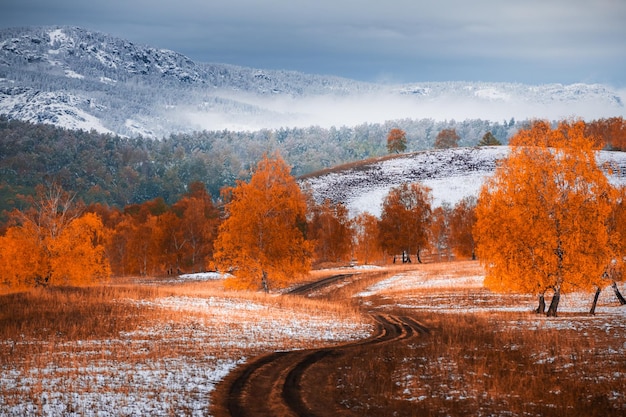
(490, 356)
(146, 348)
(157, 347)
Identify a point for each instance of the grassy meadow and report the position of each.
(152, 346)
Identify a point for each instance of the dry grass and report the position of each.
(478, 365)
(360, 164)
(151, 346)
(146, 348)
(485, 361)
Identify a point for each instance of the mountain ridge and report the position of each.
(81, 79)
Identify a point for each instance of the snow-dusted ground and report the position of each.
(451, 174)
(163, 367)
(593, 347)
(465, 293)
(170, 365)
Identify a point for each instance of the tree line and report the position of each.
(115, 170)
(547, 221)
(265, 231)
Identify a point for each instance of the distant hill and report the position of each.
(80, 79)
(451, 174)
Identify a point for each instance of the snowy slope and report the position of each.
(451, 174)
(76, 78)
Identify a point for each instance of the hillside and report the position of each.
(80, 79)
(451, 174)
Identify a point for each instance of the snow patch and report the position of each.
(72, 74)
(58, 36)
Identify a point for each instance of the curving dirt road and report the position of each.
(272, 385)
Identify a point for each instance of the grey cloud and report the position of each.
(412, 40)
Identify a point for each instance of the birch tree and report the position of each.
(262, 240)
(542, 218)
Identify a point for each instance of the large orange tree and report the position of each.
(542, 218)
(396, 140)
(462, 221)
(262, 240)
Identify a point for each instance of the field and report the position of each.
(157, 347)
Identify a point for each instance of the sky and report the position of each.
(394, 41)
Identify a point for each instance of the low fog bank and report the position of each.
(248, 112)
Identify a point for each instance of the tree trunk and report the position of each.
(419, 260)
(406, 257)
(264, 282)
(554, 304)
(595, 302)
(618, 294)
(541, 308)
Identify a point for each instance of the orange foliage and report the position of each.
(440, 231)
(462, 221)
(262, 239)
(199, 222)
(77, 256)
(367, 245)
(447, 138)
(542, 217)
(396, 140)
(52, 244)
(331, 232)
(609, 133)
(405, 219)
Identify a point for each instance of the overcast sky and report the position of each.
(530, 41)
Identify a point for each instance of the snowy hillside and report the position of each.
(76, 78)
(451, 174)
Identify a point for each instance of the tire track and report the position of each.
(271, 385)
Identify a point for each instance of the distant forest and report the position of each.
(114, 170)
(118, 171)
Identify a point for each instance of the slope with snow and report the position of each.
(452, 174)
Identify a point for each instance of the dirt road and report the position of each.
(275, 384)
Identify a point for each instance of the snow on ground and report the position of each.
(465, 293)
(202, 276)
(164, 366)
(452, 174)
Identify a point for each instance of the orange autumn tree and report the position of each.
(405, 219)
(367, 247)
(609, 133)
(78, 255)
(396, 140)
(440, 231)
(462, 221)
(542, 217)
(53, 243)
(199, 222)
(330, 230)
(262, 240)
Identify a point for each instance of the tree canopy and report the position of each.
(53, 243)
(447, 138)
(396, 140)
(542, 217)
(489, 139)
(405, 219)
(262, 241)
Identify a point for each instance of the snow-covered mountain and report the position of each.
(452, 174)
(75, 78)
